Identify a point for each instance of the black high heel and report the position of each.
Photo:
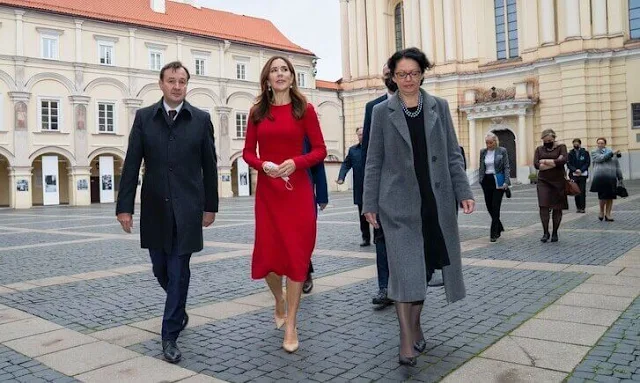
(554, 237)
(408, 361)
(545, 238)
(600, 218)
(608, 219)
(420, 345)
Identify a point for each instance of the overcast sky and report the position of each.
(312, 24)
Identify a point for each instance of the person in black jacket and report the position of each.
(353, 160)
(179, 192)
(578, 164)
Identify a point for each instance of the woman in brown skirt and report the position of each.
(549, 159)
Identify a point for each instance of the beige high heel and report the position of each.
(291, 347)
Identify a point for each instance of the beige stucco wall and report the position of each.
(77, 78)
(580, 63)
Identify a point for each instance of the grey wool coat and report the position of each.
(391, 190)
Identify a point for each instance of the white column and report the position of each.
(616, 16)
(19, 33)
(412, 23)
(522, 139)
(572, 18)
(353, 40)
(344, 39)
(372, 34)
(382, 28)
(179, 47)
(426, 28)
(472, 157)
(450, 46)
(132, 47)
(361, 23)
(599, 17)
(78, 41)
(547, 22)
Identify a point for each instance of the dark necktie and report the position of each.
(172, 114)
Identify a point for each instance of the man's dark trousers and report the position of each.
(173, 274)
(581, 199)
(382, 263)
(364, 226)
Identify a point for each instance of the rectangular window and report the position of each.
(241, 124)
(49, 47)
(50, 115)
(106, 117)
(635, 115)
(105, 51)
(506, 29)
(155, 60)
(302, 79)
(634, 19)
(241, 71)
(200, 67)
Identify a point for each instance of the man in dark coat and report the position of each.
(578, 163)
(353, 160)
(179, 192)
(378, 234)
(318, 176)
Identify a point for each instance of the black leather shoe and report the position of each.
(420, 345)
(554, 238)
(185, 321)
(381, 298)
(545, 237)
(407, 361)
(493, 239)
(307, 286)
(365, 243)
(171, 351)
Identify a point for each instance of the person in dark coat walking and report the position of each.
(318, 176)
(353, 160)
(179, 192)
(578, 164)
(382, 264)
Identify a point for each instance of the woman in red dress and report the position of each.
(285, 205)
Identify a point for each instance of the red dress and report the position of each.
(285, 219)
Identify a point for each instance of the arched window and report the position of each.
(398, 26)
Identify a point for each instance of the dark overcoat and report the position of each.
(180, 176)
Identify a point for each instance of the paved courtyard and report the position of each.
(78, 302)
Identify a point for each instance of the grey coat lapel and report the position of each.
(397, 118)
(431, 117)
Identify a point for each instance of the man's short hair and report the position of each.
(577, 140)
(174, 65)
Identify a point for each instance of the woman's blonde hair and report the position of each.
(493, 136)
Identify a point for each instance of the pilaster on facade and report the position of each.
(19, 32)
(79, 100)
(78, 41)
(18, 95)
(20, 195)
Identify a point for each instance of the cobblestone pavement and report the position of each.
(78, 302)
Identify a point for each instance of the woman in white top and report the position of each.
(494, 169)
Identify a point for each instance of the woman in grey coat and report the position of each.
(414, 179)
(605, 174)
(494, 168)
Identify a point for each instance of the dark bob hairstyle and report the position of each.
(414, 54)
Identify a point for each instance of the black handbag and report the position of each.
(621, 191)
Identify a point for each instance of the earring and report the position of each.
(269, 87)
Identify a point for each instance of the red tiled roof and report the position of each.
(178, 17)
(321, 84)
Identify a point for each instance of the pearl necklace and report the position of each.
(406, 110)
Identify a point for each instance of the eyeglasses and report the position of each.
(414, 74)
